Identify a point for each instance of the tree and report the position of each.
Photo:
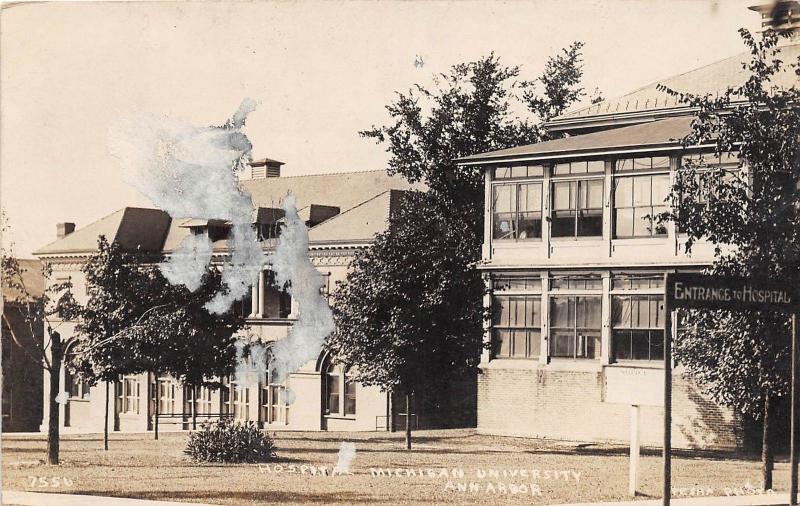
(136, 321)
(53, 308)
(410, 315)
(742, 359)
(123, 288)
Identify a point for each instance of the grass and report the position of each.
(136, 466)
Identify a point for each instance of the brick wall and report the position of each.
(537, 401)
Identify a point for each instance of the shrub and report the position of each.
(228, 441)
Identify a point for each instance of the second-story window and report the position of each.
(640, 191)
(517, 211)
(577, 208)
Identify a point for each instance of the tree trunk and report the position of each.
(767, 458)
(194, 408)
(408, 421)
(155, 411)
(105, 421)
(55, 379)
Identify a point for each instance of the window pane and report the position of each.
(519, 347)
(530, 225)
(591, 194)
(623, 222)
(621, 312)
(505, 198)
(621, 345)
(535, 171)
(641, 221)
(596, 166)
(578, 167)
(660, 189)
(534, 343)
(502, 343)
(562, 343)
(519, 171)
(590, 223)
(502, 172)
(588, 314)
(530, 197)
(333, 393)
(518, 312)
(503, 226)
(559, 312)
(534, 312)
(656, 345)
(640, 345)
(661, 162)
(623, 192)
(563, 224)
(642, 163)
(641, 191)
(349, 405)
(561, 169)
(563, 195)
(588, 345)
(500, 315)
(622, 165)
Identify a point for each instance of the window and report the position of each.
(516, 326)
(244, 306)
(637, 199)
(517, 211)
(518, 171)
(77, 388)
(624, 281)
(517, 284)
(642, 164)
(638, 322)
(577, 208)
(277, 301)
(580, 282)
(274, 404)
(340, 391)
(582, 167)
(575, 323)
(241, 401)
(129, 394)
(166, 395)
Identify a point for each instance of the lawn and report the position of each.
(552, 471)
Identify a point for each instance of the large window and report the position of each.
(638, 322)
(575, 323)
(517, 211)
(340, 391)
(577, 208)
(637, 199)
(277, 301)
(166, 388)
(129, 394)
(274, 403)
(241, 401)
(516, 326)
(78, 389)
(639, 195)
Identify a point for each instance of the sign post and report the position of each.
(633, 468)
(699, 291)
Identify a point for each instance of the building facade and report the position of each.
(343, 212)
(575, 268)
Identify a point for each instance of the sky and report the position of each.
(320, 72)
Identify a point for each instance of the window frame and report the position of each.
(516, 214)
(576, 210)
(578, 340)
(344, 381)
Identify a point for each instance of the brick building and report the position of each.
(343, 212)
(575, 270)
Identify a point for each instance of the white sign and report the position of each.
(634, 386)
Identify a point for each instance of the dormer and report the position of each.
(266, 222)
(315, 214)
(265, 168)
(216, 229)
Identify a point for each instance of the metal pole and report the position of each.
(794, 414)
(667, 451)
(633, 466)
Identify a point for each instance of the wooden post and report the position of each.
(667, 451)
(794, 413)
(633, 469)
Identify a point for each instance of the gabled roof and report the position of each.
(32, 278)
(154, 230)
(648, 102)
(358, 224)
(660, 134)
(132, 227)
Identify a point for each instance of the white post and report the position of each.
(262, 293)
(634, 458)
(254, 299)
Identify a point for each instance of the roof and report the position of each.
(154, 230)
(132, 227)
(649, 101)
(664, 133)
(32, 278)
(360, 223)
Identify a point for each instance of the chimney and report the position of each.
(265, 168)
(782, 16)
(64, 229)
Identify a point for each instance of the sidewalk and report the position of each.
(17, 498)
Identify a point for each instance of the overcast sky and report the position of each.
(320, 72)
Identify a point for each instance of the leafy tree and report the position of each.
(136, 321)
(410, 314)
(53, 308)
(742, 358)
(122, 289)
